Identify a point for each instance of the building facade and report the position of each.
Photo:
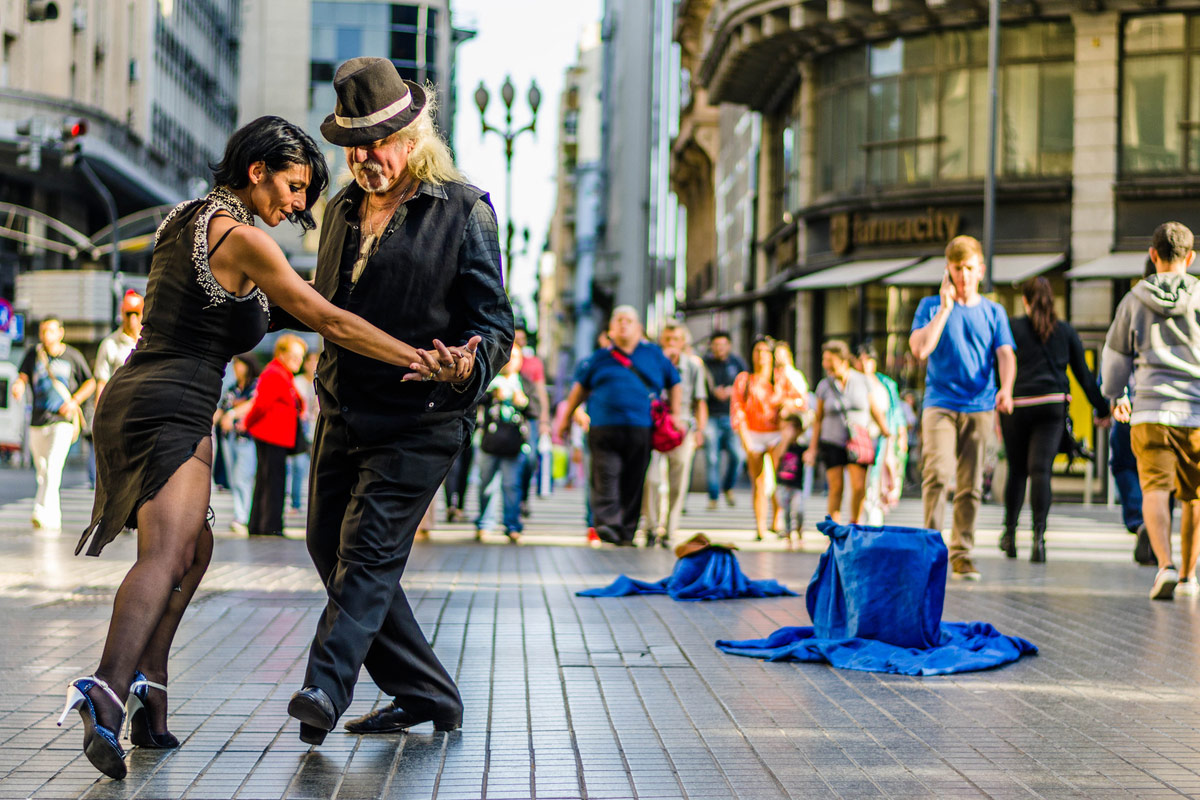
(152, 87)
(569, 320)
(636, 258)
(873, 153)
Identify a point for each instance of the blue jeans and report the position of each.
(297, 478)
(720, 438)
(509, 468)
(241, 462)
(530, 462)
(1124, 470)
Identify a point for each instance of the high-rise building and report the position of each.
(418, 37)
(568, 316)
(637, 242)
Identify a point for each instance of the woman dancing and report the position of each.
(211, 278)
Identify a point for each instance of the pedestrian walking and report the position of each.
(60, 382)
(723, 367)
(670, 473)
(212, 276)
(503, 447)
(533, 371)
(617, 384)
(1155, 335)
(885, 477)
(755, 406)
(274, 423)
(1046, 346)
(412, 247)
(112, 352)
(241, 460)
(966, 340)
(840, 437)
(298, 460)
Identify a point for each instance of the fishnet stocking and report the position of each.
(174, 549)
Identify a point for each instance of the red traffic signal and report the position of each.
(74, 128)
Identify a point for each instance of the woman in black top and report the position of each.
(1046, 346)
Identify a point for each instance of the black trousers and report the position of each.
(270, 477)
(457, 479)
(1031, 437)
(366, 500)
(620, 456)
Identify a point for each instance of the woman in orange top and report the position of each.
(754, 414)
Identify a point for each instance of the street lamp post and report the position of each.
(508, 94)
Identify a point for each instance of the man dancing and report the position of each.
(412, 248)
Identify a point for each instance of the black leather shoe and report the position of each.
(392, 718)
(312, 706)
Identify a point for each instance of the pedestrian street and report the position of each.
(570, 697)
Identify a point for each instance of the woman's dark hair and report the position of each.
(866, 350)
(1040, 297)
(251, 363)
(278, 144)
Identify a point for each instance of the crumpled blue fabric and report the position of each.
(885, 583)
(962, 647)
(710, 574)
(876, 604)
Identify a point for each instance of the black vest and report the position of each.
(406, 289)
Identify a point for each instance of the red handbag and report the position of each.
(664, 436)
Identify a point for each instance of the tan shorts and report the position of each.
(1168, 458)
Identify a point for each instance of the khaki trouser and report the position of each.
(953, 444)
(665, 493)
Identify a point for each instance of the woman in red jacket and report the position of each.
(272, 423)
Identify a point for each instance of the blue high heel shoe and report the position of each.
(138, 715)
(100, 744)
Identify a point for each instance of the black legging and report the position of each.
(1031, 438)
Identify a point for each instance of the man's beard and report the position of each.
(362, 170)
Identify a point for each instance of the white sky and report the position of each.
(529, 40)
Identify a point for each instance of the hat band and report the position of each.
(379, 116)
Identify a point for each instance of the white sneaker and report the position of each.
(1164, 584)
(1188, 587)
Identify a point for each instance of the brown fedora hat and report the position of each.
(373, 102)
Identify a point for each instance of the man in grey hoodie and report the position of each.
(1156, 335)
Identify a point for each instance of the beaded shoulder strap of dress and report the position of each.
(219, 199)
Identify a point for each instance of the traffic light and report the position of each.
(73, 130)
(41, 10)
(29, 145)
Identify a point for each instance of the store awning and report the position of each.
(852, 273)
(1111, 267)
(1005, 269)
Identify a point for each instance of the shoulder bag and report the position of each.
(860, 447)
(505, 430)
(76, 419)
(664, 436)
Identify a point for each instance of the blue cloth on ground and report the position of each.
(876, 604)
(710, 574)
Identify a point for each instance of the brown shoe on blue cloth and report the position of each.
(392, 718)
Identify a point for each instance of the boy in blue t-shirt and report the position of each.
(966, 339)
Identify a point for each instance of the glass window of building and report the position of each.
(913, 110)
(1160, 94)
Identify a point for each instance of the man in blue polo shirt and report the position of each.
(617, 384)
(965, 338)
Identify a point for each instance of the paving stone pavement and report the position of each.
(570, 697)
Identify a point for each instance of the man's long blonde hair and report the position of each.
(430, 160)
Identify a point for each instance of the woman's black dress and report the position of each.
(159, 406)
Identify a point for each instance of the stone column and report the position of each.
(1093, 209)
